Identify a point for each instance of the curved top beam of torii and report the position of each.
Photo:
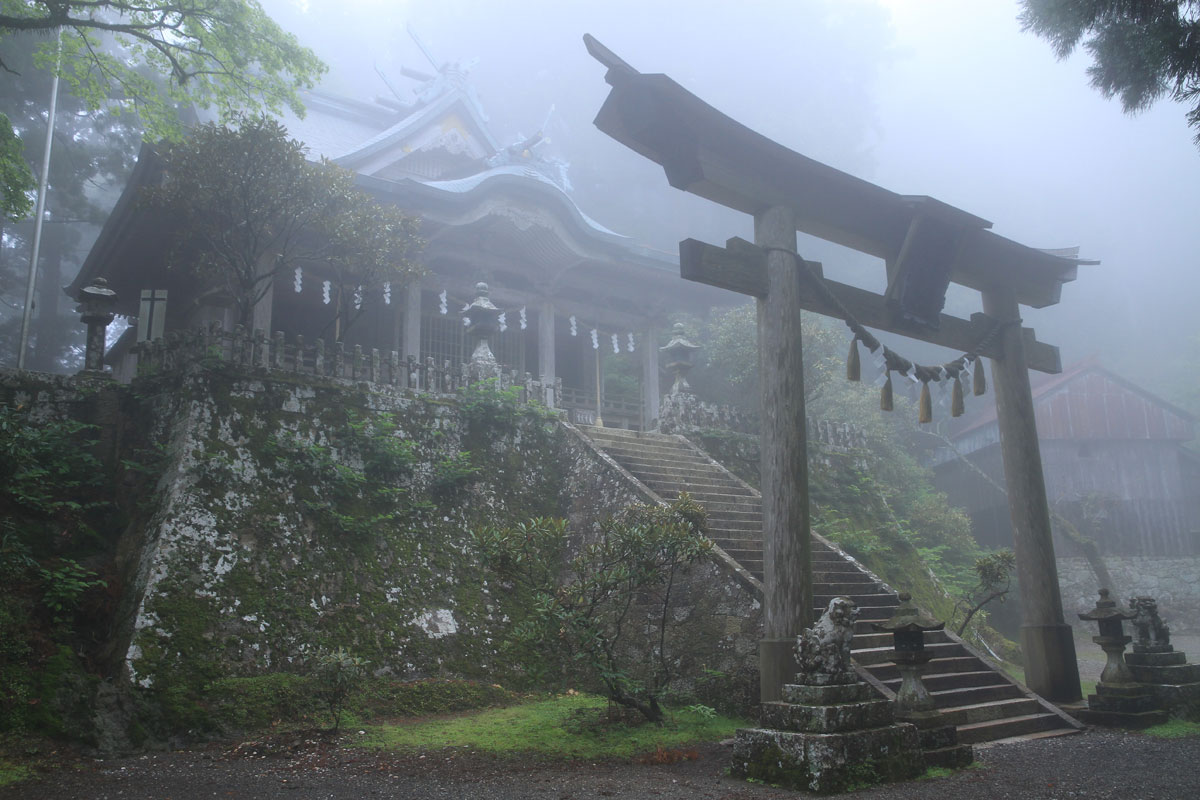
(709, 154)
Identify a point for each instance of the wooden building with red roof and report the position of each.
(1114, 460)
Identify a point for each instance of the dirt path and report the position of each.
(1095, 765)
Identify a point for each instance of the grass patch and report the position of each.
(1175, 729)
(11, 773)
(562, 727)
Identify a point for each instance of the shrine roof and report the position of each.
(705, 152)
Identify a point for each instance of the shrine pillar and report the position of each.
(411, 337)
(787, 560)
(650, 387)
(1047, 642)
(546, 366)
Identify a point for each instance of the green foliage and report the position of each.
(226, 54)
(252, 207)
(993, 578)
(1140, 51)
(730, 372)
(569, 726)
(65, 584)
(16, 180)
(612, 612)
(337, 674)
(452, 473)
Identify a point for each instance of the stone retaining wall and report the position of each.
(1173, 580)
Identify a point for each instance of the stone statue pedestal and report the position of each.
(1164, 673)
(827, 739)
(831, 732)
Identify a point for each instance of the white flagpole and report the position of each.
(39, 210)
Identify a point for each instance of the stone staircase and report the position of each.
(984, 704)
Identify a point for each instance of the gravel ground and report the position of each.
(1095, 765)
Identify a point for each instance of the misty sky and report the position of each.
(937, 97)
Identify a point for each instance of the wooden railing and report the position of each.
(277, 354)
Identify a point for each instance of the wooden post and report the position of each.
(1047, 642)
(650, 388)
(411, 337)
(787, 561)
(546, 365)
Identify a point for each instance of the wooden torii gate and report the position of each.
(925, 245)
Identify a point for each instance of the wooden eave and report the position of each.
(707, 153)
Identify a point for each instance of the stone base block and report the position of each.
(809, 695)
(1175, 675)
(828, 762)
(1120, 719)
(1122, 699)
(1160, 659)
(1181, 701)
(955, 756)
(827, 719)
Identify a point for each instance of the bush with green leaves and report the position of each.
(610, 608)
(337, 675)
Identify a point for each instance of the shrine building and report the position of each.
(573, 292)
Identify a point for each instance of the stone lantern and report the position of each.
(1119, 699)
(677, 358)
(1112, 639)
(96, 304)
(908, 626)
(914, 704)
(484, 319)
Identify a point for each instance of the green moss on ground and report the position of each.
(1175, 729)
(565, 726)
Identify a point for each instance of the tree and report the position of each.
(226, 54)
(1141, 51)
(994, 573)
(93, 153)
(251, 207)
(614, 614)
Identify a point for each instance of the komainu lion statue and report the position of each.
(823, 651)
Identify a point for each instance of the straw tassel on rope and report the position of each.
(885, 394)
(853, 365)
(956, 398)
(926, 404)
(979, 380)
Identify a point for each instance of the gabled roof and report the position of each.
(1089, 401)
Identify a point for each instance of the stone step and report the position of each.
(945, 681)
(886, 670)
(865, 641)
(990, 710)
(704, 494)
(973, 695)
(863, 601)
(728, 515)
(1049, 734)
(662, 458)
(1014, 727)
(737, 528)
(883, 655)
(843, 585)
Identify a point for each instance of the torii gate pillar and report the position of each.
(787, 560)
(1047, 643)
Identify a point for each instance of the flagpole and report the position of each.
(40, 209)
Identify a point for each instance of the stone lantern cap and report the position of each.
(1106, 610)
(679, 348)
(97, 300)
(909, 618)
(482, 312)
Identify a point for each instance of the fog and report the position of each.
(932, 97)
